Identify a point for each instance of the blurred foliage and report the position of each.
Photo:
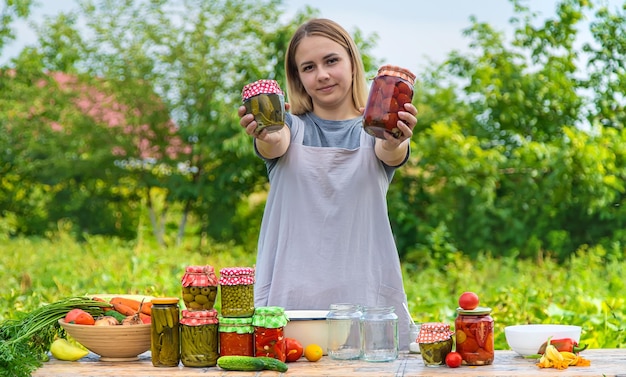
(586, 290)
(122, 118)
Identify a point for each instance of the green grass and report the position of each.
(588, 290)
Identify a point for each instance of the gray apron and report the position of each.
(325, 236)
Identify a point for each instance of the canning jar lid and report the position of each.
(165, 300)
(199, 317)
(270, 317)
(236, 276)
(260, 86)
(480, 310)
(433, 332)
(393, 70)
(199, 276)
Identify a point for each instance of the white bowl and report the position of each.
(526, 339)
(308, 327)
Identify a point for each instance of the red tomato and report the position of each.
(468, 301)
(79, 317)
(294, 349)
(454, 360)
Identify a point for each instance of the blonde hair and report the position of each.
(298, 98)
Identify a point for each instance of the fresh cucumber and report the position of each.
(250, 363)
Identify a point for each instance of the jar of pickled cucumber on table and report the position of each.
(165, 332)
(266, 101)
(199, 338)
(199, 287)
(237, 291)
(435, 340)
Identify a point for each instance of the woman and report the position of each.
(325, 236)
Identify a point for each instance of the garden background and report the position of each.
(122, 161)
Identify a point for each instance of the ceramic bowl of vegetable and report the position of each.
(527, 339)
(112, 343)
(308, 327)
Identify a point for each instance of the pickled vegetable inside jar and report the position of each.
(165, 332)
(237, 291)
(199, 287)
(269, 338)
(391, 89)
(265, 100)
(236, 336)
(474, 335)
(199, 338)
(435, 340)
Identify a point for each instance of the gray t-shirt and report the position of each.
(320, 132)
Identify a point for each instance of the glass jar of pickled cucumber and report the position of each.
(265, 100)
(236, 336)
(165, 332)
(435, 340)
(474, 335)
(199, 287)
(269, 332)
(199, 338)
(237, 291)
(391, 89)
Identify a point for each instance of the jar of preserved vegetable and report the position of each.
(474, 335)
(435, 340)
(269, 338)
(379, 331)
(199, 287)
(236, 336)
(199, 338)
(265, 100)
(237, 291)
(391, 89)
(344, 331)
(165, 332)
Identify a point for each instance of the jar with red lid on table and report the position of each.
(199, 287)
(435, 340)
(265, 100)
(269, 332)
(237, 291)
(391, 89)
(236, 336)
(199, 338)
(475, 335)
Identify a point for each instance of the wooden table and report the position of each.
(604, 362)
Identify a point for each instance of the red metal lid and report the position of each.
(260, 86)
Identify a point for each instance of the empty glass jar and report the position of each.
(379, 333)
(344, 331)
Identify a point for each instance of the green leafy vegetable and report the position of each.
(24, 342)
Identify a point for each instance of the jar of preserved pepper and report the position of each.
(199, 287)
(237, 291)
(435, 340)
(236, 336)
(265, 100)
(475, 335)
(199, 338)
(165, 332)
(269, 338)
(391, 89)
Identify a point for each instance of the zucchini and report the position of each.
(250, 363)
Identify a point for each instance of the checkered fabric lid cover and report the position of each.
(433, 332)
(260, 86)
(199, 276)
(270, 317)
(237, 276)
(200, 317)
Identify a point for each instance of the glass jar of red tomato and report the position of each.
(474, 335)
(391, 89)
(269, 332)
(236, 336)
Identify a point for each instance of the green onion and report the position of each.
(24, 342)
